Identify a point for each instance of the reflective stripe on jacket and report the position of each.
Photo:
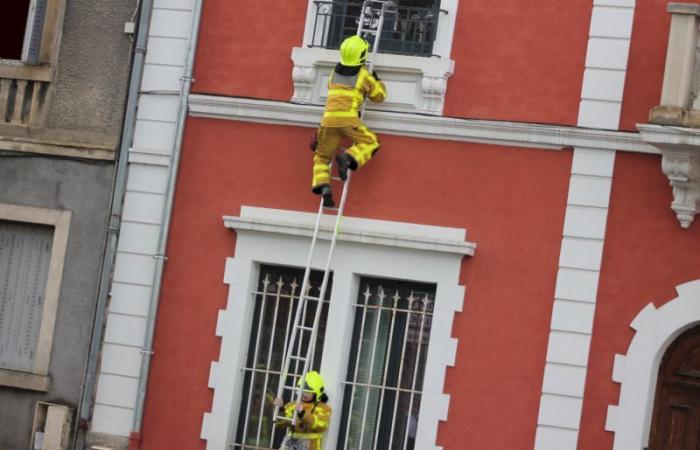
(346, 93)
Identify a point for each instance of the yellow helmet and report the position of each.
(313, 382)
(353, 51)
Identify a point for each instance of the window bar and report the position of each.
(266, 282)
(283, 376)
(366, 294)
(403, 355)
(396, 298)
(280, 283)
(380, 300)
(415, 370)
(300, 339)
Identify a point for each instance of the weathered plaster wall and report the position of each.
(84, 189)
(92, 71)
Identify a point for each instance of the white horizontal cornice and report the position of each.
(354, 230)
(517, 134)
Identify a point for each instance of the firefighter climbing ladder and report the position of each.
(370, 24)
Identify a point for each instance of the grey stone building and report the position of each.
(64, 75)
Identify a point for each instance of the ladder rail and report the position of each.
(302, 293)
(298, 327)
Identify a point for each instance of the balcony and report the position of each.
(413, 58)
(672, 124)
(408, 31)
(23, 93)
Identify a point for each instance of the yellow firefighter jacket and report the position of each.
(311, 426)
(346, 93)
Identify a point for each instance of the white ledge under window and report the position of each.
(680, 162)
(517, 134)
(355, 230)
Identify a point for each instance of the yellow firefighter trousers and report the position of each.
(364, 147)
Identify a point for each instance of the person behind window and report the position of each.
(313, 415)
(349, 84)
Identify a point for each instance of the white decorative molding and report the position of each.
(361, 231)
(414, 84)
(606, 64)
(680, 162)
(267, 236)
(637, 371)
(574, 300)
(515, 134)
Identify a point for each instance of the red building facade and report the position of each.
(513, 189)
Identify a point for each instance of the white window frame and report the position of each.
(38, 379)
(637, 371)
(426, 254)
(414, 84)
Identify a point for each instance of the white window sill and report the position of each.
(10, 68)
(414, 84)
(24, 380)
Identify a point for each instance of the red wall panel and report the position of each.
(645, 68)
(646, 255)
(511, 201)
(519, 60)
(245, 48)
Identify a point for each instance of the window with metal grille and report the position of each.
(25, 255)
(387, 364)
(411, 31)
(276, 300)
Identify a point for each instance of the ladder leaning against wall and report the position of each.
(297, 360)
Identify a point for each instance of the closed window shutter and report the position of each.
(34, 32)
(25, 254)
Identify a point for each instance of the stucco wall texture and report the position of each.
(84, 188)
(516, 222)
(646, 255)
(92, 71)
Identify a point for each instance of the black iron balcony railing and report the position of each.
(411, 31)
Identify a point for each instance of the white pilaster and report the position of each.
(583, 238)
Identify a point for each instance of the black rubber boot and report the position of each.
(344, 162)
(327, 195)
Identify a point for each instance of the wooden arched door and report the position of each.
(676, 421)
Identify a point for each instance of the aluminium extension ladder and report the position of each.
(370, 22)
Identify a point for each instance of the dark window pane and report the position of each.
(12, 30)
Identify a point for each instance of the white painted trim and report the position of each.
(680, 162)
(637, 371)
(267, 236)
(606, 64)
(414, 84)
(574, 302)
(60, 221)
(362, 231)
(516, 134)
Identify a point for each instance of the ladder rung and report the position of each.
(276, 418)
(305, 328)
(309, 297)
(298, 358)
(336, 179)
(368, 31)
(330, 208)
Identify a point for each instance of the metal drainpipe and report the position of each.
(160, 256)
(119, 190)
